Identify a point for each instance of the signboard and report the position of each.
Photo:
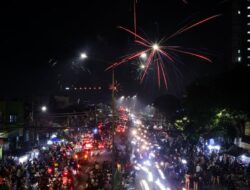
(247, 128)
(3, 135)
(1, 152)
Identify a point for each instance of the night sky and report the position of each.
(41, 43)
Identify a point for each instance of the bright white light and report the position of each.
(147, 163)
(83, 56)
(151, 155)
(67, 88)
(239, 59)
(243, 157)
(137, 168)
(122, 97)
(23, 159)
(134, 97)
(53, 136)
(44, 108)
(162, 163)
(143, 147)
(133, 142)
(145, 169)
(142, 66)
(44, 148)
(134, 132)
(184, 161)
(144, 184)
(150, 177)
(155, 47)
(161, 174)
(214, 147)
(137, 122)
(49, 142)
(95, 130)
(36, 154)
(132, 115)
(160, 185)
(143, 56)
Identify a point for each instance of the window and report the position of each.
(12, 119)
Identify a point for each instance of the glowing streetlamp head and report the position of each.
(155, 47)
(83, 56)
(44, 108)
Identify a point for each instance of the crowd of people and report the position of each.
(55, 167)
(194, 166)
(100, 177)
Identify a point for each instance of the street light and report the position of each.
(83, 56)
(44, 108)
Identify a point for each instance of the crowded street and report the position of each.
(125, 95)
(144, 157)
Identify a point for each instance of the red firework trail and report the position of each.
(157, 51)
(186, 28)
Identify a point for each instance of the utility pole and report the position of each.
(113, 129)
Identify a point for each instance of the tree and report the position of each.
(220, 105)
(168, 105)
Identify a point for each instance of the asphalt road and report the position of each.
(81, 178)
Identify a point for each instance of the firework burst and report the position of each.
(154, 52)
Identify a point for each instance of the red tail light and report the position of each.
(65, 173)
(50, 170)
(69, 180)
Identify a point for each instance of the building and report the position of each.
(11, 125)
(241, 31)
(87, 94)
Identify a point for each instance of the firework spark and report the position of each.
(154, 52)
(114, 87)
